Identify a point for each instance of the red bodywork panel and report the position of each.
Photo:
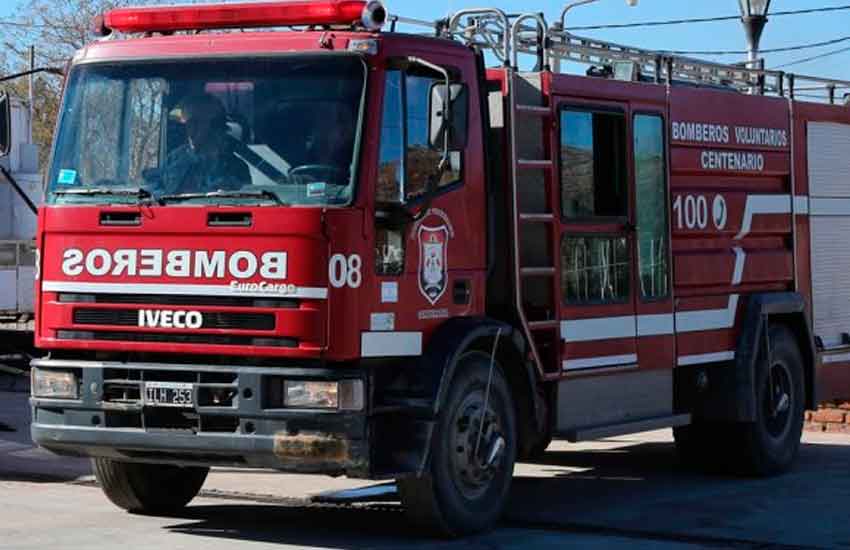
(300, 236)
(743, 242)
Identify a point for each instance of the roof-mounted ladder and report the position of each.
(509, 35)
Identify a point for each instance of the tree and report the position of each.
(57, 28)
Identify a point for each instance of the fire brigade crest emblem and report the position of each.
(433, 260)
(433, 257)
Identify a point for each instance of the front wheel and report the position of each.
(148, 488)
(473, 450)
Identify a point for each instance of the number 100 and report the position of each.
(692, 213)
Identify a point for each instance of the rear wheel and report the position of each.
(769, 445)
(472, 455)
(148, 488)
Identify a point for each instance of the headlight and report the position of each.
(346, 395)
(54, 384)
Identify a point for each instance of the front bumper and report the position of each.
(109, 420)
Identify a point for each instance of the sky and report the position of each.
(781, 31)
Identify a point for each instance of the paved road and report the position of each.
(620, 493)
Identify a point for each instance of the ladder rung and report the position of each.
(534, 164)
(543, 325)
(534, 110)
(539, 218)
(537, 271)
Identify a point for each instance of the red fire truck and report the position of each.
(317, 246)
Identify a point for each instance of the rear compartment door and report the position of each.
(616, 303)
(598, 324)
(828, 171)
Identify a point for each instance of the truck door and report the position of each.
(598, 308)
(432, 268)
(653, 294)
(614, 268)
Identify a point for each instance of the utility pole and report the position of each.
(32, 91)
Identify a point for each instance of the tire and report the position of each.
(767, 446)
(460, 495)
(148, 488)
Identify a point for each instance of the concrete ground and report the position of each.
(625, 492)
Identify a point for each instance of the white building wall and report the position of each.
(17, 222)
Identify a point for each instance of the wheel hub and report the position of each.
(778, 397)
(479, 445)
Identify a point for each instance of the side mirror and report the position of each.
(439, 126)
(5, 124)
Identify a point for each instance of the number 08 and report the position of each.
(345, 271)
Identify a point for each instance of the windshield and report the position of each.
(265, 131)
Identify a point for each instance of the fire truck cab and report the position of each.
(339, 250)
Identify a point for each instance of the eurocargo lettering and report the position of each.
(288, 267)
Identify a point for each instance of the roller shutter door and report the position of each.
(829, 189)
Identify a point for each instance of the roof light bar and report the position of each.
(244, 15)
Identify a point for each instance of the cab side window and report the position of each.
(391, 156)
(407, 159)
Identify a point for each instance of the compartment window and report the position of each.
(651, 182)
(595, 270)
(593, 165)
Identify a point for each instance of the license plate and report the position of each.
(168, 394)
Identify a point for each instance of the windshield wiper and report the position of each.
(264, 194)
(138, 192)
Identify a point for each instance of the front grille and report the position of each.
(214, 339)
(168, 300)
(133, 376)
(212, 319)
(215, 391)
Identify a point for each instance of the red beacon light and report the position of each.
(370, 14)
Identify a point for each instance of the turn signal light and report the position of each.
(244, 15)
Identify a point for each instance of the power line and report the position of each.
(701, 19)
(812, 58)
(654, 23)
(796, 48)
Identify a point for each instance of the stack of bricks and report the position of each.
(833, 416)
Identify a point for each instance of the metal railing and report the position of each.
(507, 36)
